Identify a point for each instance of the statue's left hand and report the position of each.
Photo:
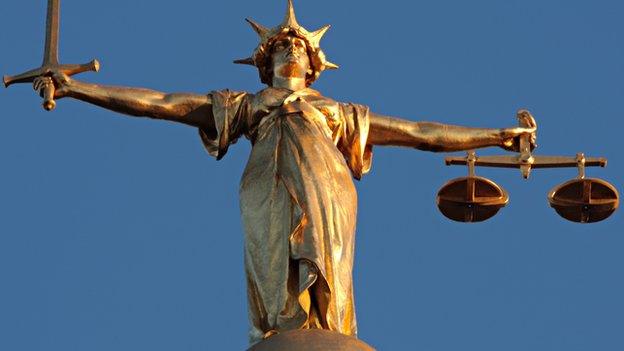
(510, 137)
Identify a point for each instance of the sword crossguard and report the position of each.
(50, 64)
(47, 71)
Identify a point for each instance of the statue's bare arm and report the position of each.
(190, 109)
(439, 137)
(196, 110)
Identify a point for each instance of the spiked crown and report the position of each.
(261, 57)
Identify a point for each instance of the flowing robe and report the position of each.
(298, 203)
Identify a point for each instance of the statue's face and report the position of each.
(290, 57)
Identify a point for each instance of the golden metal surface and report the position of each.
(525, 160)
(297, 195)
(579, 200)
(50, 64)
(539, 161)
(471, 199)
(584, 200)
(261, 57)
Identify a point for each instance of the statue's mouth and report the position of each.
(292, 69)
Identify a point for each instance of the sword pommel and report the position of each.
(50, 64)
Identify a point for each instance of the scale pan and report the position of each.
(471, 199)
(584, 200)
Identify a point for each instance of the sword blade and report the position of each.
(50, 54)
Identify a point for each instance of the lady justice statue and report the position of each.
(297, 196)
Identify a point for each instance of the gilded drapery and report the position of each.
(298, 203)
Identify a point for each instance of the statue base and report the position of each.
(311, 340)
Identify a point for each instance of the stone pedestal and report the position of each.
(311, 340)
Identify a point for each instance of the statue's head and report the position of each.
(288, 50)
(289, 58)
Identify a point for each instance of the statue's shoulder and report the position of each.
(227, 97)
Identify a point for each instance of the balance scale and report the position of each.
(476, 199)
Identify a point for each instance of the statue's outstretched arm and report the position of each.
(439, 137)
(191, 109)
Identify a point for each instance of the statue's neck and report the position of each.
(294, 84)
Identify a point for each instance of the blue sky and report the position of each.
(122, 233)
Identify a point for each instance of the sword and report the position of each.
(50, 63)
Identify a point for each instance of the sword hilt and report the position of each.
(48, 97)
(47, 71)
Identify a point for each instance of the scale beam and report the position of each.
(509, 161)
(582, 200)
(524, 159)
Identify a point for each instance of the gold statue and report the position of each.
(297, 196)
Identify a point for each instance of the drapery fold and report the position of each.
(298, 204)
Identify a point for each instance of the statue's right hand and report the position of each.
(61, 82)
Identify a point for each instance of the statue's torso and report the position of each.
(299, 204)
(278, 103)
